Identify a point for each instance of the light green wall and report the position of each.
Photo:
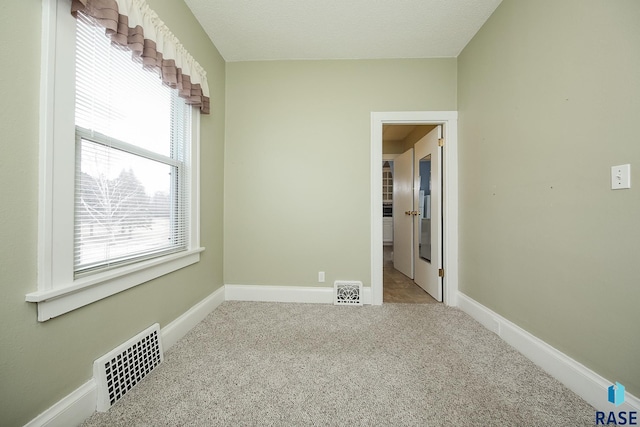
(40, 363)
(297, 159)
(549, 100)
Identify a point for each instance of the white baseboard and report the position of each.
(586, 383)
(299, 294)
(183, 324)
(73, 409)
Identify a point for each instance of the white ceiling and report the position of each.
(253, 30)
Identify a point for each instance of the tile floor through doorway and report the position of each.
(399, 288)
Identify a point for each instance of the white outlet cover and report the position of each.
(620, 177)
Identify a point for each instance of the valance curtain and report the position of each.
(133, 25)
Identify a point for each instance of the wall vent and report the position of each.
(123, 367)
(347, 292)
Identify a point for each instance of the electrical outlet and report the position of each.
(321, 276)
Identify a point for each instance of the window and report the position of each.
(131, 144)
(122, 148)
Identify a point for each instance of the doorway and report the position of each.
(410, 270)
(448, 121)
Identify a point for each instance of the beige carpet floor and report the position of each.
(273, 364)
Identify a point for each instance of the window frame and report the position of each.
(58, 292)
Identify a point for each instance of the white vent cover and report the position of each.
(347, 292)
(123, 367)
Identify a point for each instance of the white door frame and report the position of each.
(449, 120)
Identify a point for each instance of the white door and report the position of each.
(402, 209)
(427, 197)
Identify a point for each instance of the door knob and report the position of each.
(414, 213)
(407, 212)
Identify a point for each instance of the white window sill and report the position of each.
(84, 291)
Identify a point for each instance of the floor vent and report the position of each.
(122, 368)
(347, 292)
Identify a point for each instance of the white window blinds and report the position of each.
(132, 133)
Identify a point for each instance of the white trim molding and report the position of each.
(297, 294)
(586, 383)
(54, 302)
(449, 120)
(72, 410)
(175, 330)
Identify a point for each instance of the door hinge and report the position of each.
(440, 142)
(441, 272)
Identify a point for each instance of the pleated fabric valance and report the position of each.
(134, 25)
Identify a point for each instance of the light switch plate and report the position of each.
(620, 177)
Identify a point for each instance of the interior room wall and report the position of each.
(40, 363)
(301, 130)
(548, 99)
